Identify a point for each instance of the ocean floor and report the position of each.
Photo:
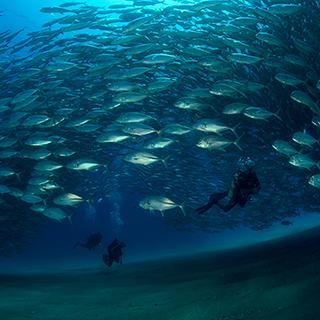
(274, 280)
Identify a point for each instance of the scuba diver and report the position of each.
(93, 240)
(115, 252)
(245, 184)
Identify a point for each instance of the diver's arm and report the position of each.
(234, 185)
(256, 185)
(232, 194)
(256, 189)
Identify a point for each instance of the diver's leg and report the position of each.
(107, 260)
(227, 207)
(214, 198)
(204, 208)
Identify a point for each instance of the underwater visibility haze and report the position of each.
(120, 120)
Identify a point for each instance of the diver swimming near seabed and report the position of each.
(245, 183)
(114, 252)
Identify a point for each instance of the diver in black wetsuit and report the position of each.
(115, 252)
(245, 184)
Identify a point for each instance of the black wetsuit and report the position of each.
(114, 252)
(244, 185)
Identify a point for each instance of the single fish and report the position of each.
(56, 214)
(158, 143)
(159, 203)
(315, 181)
(304, 138)
(259, 113)
(112, 137)
(217, 142)
(284, 8)
(284, 147)
(244, 58)
(83, 164)
(302, 161)
(68, 199)
(143, 158)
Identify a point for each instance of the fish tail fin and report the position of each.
(165, 161)
(234, 130)
(182, 208)
(236, 143)
(277, 115)
(214, 109)
(17, 174)
(237, 90)
(90, 200)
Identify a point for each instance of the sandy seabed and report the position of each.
(274, 280)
